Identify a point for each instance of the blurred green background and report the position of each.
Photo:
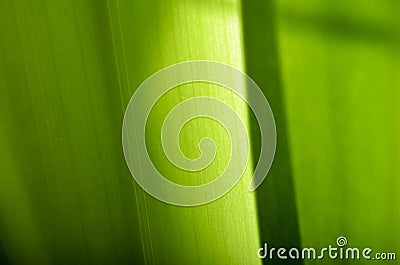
(330, 70)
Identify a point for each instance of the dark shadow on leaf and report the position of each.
(276, 201)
